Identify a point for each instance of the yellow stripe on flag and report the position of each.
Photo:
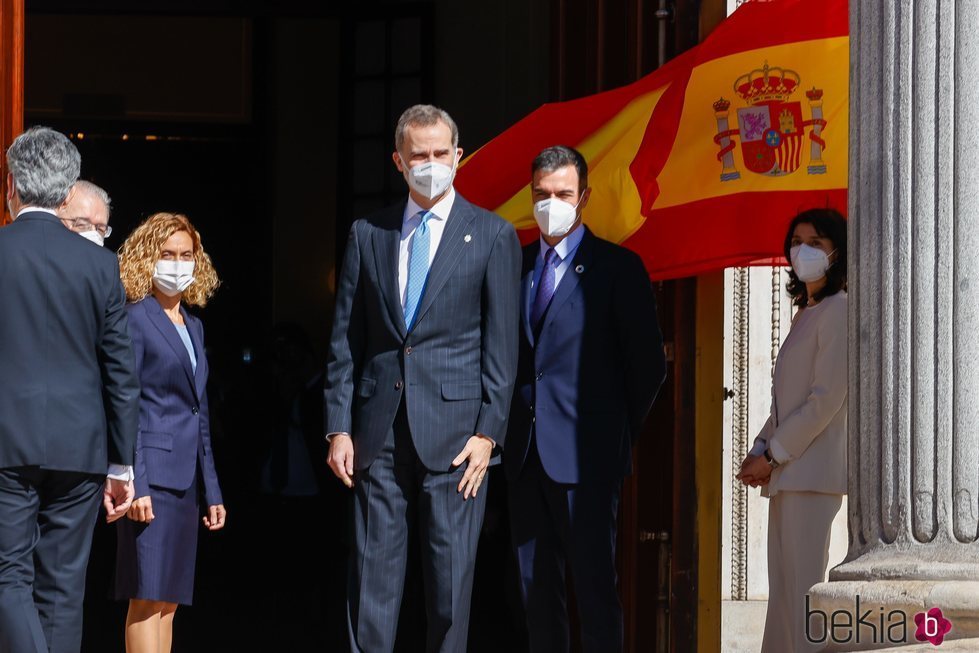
(613, 211)
(693, 171)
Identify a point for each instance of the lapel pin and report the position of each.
(579, 268)
(468, 238)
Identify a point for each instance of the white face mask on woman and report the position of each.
(173, 277)
(810, 263)
(429, 179)
(555, 217)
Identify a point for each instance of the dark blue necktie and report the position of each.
(545, 289)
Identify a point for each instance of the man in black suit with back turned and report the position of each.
(420, 375)
(68, 400)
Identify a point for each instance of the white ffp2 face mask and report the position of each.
(810, 263)
(173, 277)
(93, 236)
(555, 217)
(429, 179)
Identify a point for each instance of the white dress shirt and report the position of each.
(436, 227)
(116, 472)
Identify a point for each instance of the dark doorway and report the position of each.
(270, 128)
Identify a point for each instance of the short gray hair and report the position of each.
(44, 165)
(423, 115)
(82, 186)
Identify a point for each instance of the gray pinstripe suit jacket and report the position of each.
(455, 370)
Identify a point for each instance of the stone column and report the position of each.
(914, 316)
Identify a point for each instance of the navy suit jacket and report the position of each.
(455, 368)
(587, 382)
(174, 429)
(68, 391)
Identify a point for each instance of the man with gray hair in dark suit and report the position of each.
(69, 400)
(420, 375)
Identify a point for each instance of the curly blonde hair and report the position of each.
(139, 254)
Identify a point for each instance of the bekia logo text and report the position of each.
(874, 627)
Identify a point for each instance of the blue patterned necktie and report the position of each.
(545, 289)
(418, 264)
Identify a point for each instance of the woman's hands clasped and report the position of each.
(755, 471)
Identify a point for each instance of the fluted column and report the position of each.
(914, 307)
(914, 297)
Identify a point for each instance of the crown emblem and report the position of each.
(771, 130)
(766, 84)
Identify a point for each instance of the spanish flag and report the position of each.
(701, 164)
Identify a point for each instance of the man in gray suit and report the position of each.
(421, 368)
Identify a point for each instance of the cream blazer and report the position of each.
(807, 430)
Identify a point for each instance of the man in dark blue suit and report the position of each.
(69, 400)
(419, 380)
(591, 363)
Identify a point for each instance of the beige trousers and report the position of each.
(799, 525)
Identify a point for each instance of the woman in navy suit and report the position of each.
(164, 266)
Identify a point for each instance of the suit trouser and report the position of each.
(393, 496)
(799, 528)
(46, 523)
(553, 524)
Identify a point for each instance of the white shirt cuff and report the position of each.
(779, 453)
(329, 436)
(120, 472)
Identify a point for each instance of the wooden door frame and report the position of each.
(11, 82)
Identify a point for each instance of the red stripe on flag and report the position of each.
(657, 142)
(725, 231)
(753, 26)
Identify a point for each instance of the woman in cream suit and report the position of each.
(799, 457)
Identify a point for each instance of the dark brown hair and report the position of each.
(828, 223)
(559, 156)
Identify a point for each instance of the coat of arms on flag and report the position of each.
(771, 128)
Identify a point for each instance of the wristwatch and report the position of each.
(770, 459)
